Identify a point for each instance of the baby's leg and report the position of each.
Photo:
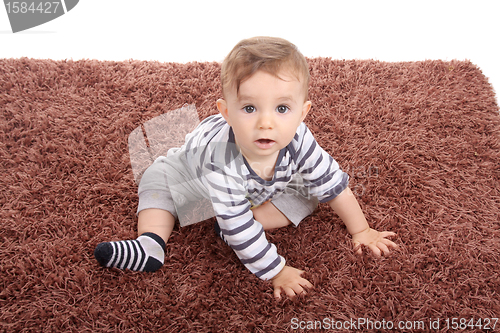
(158, 221)
(270, 217)
(290, 207)
(146, 253)
(155, 224)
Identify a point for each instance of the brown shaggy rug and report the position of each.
(420, 140)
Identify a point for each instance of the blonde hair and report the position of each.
(270, 54)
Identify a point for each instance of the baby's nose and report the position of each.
(266, 120)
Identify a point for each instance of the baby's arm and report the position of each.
(289, 280)
(348, 209)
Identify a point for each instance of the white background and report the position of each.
(182, 31)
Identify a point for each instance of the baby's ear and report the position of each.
(222, 107)
(305, 109)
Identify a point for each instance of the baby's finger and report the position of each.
(307, 284)
(357, 248)
(374, 249)
(383, 247)
(298, 290)
(387, 234)
(277, 293)
(290, 292)
(389, 243)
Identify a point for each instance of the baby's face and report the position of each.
(265, 114)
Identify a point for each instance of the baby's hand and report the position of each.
(290, 281)
(374, 240)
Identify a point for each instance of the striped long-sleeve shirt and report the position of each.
(219, 172)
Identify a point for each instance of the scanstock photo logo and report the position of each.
(25, 15)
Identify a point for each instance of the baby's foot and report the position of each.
(145, 254)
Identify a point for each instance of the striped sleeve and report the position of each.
(321, 173)
(245, 235)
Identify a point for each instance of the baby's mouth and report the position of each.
(265, 143)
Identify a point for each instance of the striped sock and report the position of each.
(143, 254)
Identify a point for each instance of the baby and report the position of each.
(257, 166)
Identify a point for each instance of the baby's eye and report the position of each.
(249, 109)
(282, 109)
